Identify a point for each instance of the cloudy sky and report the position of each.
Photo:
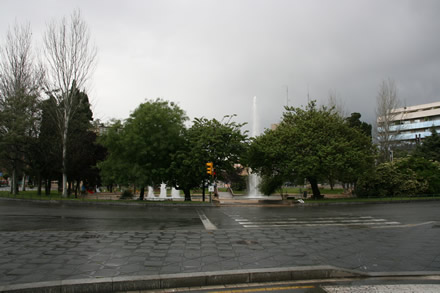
(213, 57)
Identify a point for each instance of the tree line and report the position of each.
(44, 110)
(47, 132)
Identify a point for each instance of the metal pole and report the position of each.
(203, 190)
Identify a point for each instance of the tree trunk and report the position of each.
(315, 188)
(47, 186)
(23, 183)
(203, 190)
(39, 184)
(332, 183)
(141, 196)
(60, 185)
(64, 158)
(187, 193)
(14, 184)
(78, 183)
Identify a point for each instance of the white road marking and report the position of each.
(405, 226)
(368, 221)
(206, 222)
(309, 219)
(321, 224)
(312, 221)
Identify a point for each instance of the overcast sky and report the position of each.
(212, 57)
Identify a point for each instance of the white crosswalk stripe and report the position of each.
(366, 221)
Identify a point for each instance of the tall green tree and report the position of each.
(83, 150)
(221, 142)
(20, 80)
(70, 59)
(83, 153)
(312, 143)
(140, 149)
(45, 154)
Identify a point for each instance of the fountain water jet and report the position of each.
(163, 191)
(150, 195)
(175, 194)
(254, 179)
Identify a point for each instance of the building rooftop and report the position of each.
(416, 111)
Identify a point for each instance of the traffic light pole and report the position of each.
(203, 190)
(210, 171)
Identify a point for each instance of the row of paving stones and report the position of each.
(43, 256)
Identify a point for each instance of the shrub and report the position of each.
(127, 194)
(269, 185)
(239, 183)
(406, 176)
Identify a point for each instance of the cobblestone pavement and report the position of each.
(50, 255)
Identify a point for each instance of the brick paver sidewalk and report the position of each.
(43, 256)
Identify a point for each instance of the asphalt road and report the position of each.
(24, 216)
(47, 242)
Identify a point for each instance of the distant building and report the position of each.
(410, 124)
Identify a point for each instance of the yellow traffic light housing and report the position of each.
(210, 168)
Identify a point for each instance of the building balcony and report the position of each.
(413, 126)
(410, 136)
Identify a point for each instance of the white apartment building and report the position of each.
(410, 123)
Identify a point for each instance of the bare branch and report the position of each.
(20, 80)
(70, 58)
(336, 103)
(387, 102)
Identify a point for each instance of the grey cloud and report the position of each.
(212, 57)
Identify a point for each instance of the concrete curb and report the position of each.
(215, 203)
(109, 203)
(152, 282)
(364, 202)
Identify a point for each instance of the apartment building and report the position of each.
(413, 123)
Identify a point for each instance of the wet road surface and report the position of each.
(24, 216)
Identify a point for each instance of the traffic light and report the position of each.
(210, 168)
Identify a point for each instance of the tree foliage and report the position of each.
(20, 80)
(418, 173)
(355, 121)
(70, 58)
(405, 176)
(314, 143)
(83, 151)
(220, 142)
(46, 152)
(140, 149)
(430, 147)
